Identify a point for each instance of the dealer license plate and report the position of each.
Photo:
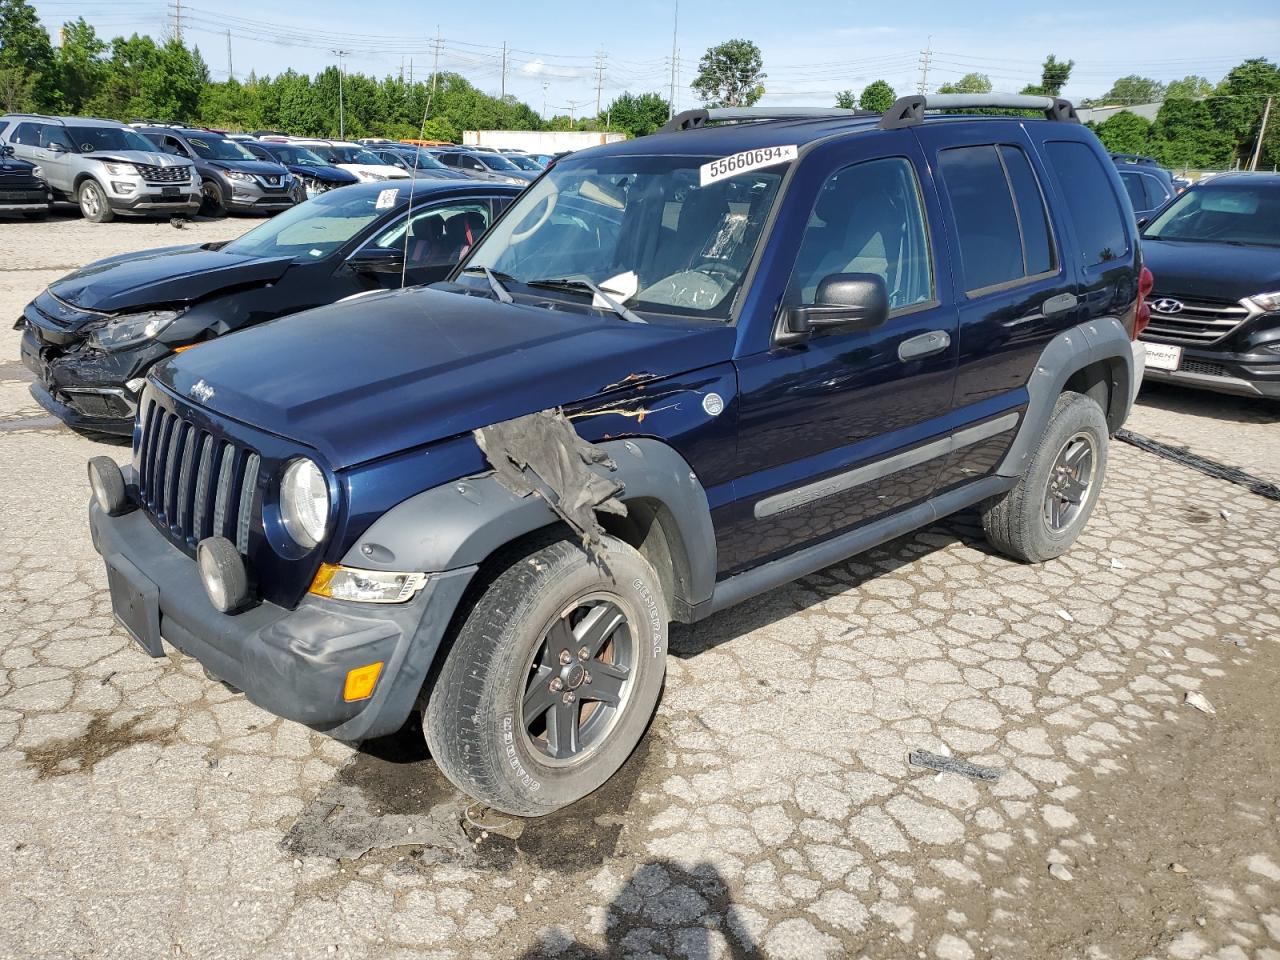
(1163, 356)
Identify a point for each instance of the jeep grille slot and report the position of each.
(194, 484)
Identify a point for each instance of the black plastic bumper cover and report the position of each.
(293, 663)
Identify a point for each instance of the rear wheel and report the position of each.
(1041, 517)
(552, 680)
(93, 202)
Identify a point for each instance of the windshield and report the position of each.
(218, 148)
(495, 161)
(300, 156)
(341, 154)
(425, 160)
(526, 163)
(640, 227)
(318, 227)
(1239, 212)
(93, 139)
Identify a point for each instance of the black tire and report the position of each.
(212, 201)
(475, 720)
(1021, 523)
(93, 202)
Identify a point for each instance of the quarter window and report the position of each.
(27, 134)
(1095, 208)
(868, 218)
(999, 215)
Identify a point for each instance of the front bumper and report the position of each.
(189, 202)
(86, 392)
(1221, 371)
(292, 663)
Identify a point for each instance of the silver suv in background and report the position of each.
(104, 166)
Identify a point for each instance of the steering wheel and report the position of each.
(717, 269)
(549, 201)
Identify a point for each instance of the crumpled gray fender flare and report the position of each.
(1103, 340)
(460, 524)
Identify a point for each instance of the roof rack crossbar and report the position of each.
(700, 116)
(909, 110)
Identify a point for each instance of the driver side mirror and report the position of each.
(847, 302)
(376, 260)
(1143, 221)
(6, 150)
(55, 147)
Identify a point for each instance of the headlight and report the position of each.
(1266, 301)
(304, 503)
(38, 172)
(132, 329)
(369, 586)
(239, 175)
(375, 176)
(120, 169)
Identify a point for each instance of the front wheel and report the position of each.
(1041, 517)
(212, 203)
(93, 203)
(553, 678)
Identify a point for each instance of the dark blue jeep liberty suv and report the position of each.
(677, 372)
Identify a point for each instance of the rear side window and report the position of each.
(1095, 209)
(1156, 192)
(27, 134)
(1133, 186)
(999, 215)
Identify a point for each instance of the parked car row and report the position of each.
(109, 168)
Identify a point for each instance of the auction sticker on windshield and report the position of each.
(745, 161)
(387, 198)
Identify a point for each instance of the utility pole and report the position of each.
(503, 94)
(925, 55)
(675, 26)
(1262, 131)
(572, 106)
(342, 109)
(177, 20)
(545, 85)
(599, 79)
(231, 74)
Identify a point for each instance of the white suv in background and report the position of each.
(104, 166)
(351, 157)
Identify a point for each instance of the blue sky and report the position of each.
(810, 49)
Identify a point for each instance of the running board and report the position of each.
(758, 580)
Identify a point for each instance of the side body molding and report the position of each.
(1104, 340)
(459, 524)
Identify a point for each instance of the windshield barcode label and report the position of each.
(745, 161)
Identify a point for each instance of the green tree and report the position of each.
(969, 83)
(1186, 135)
(30, 78)
(637, 115)
(846, 100)
(1189, 87)
(1125, 132)
(81, 66)
(1134, 89)
(1238, 103)
(1054, 75)
(730, 75)
(877, 96)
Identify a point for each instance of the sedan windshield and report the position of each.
(318, 227)
(1236, 212)
(300, 156)
(526, 163)
(93, 139)
(341, 154)
(218, 148)
(495, 161)
(641, 228)
(425, 160)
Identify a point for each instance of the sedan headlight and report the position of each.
(1266, 301)
(239, 175)
(133, 328)
(117, 169)
(304, 503)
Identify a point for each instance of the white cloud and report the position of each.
(537, 68)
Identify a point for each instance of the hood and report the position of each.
(156, 159)
(375, 169)
(169, 275)
(1211, 271)
(13, 167)
(323, 174)
(381, 374)
(259, 168)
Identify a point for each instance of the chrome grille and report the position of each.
(178, 173)
(1199, 321)
(194, 484)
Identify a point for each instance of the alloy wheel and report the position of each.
(1070, 480)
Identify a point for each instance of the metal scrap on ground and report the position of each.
(934, 761)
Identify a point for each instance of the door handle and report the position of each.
(1059, 304)
(925, 344)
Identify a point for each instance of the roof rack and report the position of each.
(1135, 158)
(701, 116)
(908, 111)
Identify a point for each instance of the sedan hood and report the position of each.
(332, 175)
(169, 275)
(259, 168)
(363, 170)
(390, 372)
(1211, 271)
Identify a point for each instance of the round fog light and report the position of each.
(107, 483)
(223, 574)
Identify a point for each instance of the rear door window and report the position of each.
(1156, 192)
(1134, 187)
(27, 134)
(1095, 208)
(999, 215)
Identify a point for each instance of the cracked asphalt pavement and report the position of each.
(148, 812)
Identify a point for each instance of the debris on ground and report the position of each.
(1116, 564)
(1059, 871)
(1066, 616)
(1226, 514)
(935, 761)
(1199, 701)
(1177, 868)
(1162, 652)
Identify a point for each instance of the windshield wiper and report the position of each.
(495, 284)
(565, 283)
